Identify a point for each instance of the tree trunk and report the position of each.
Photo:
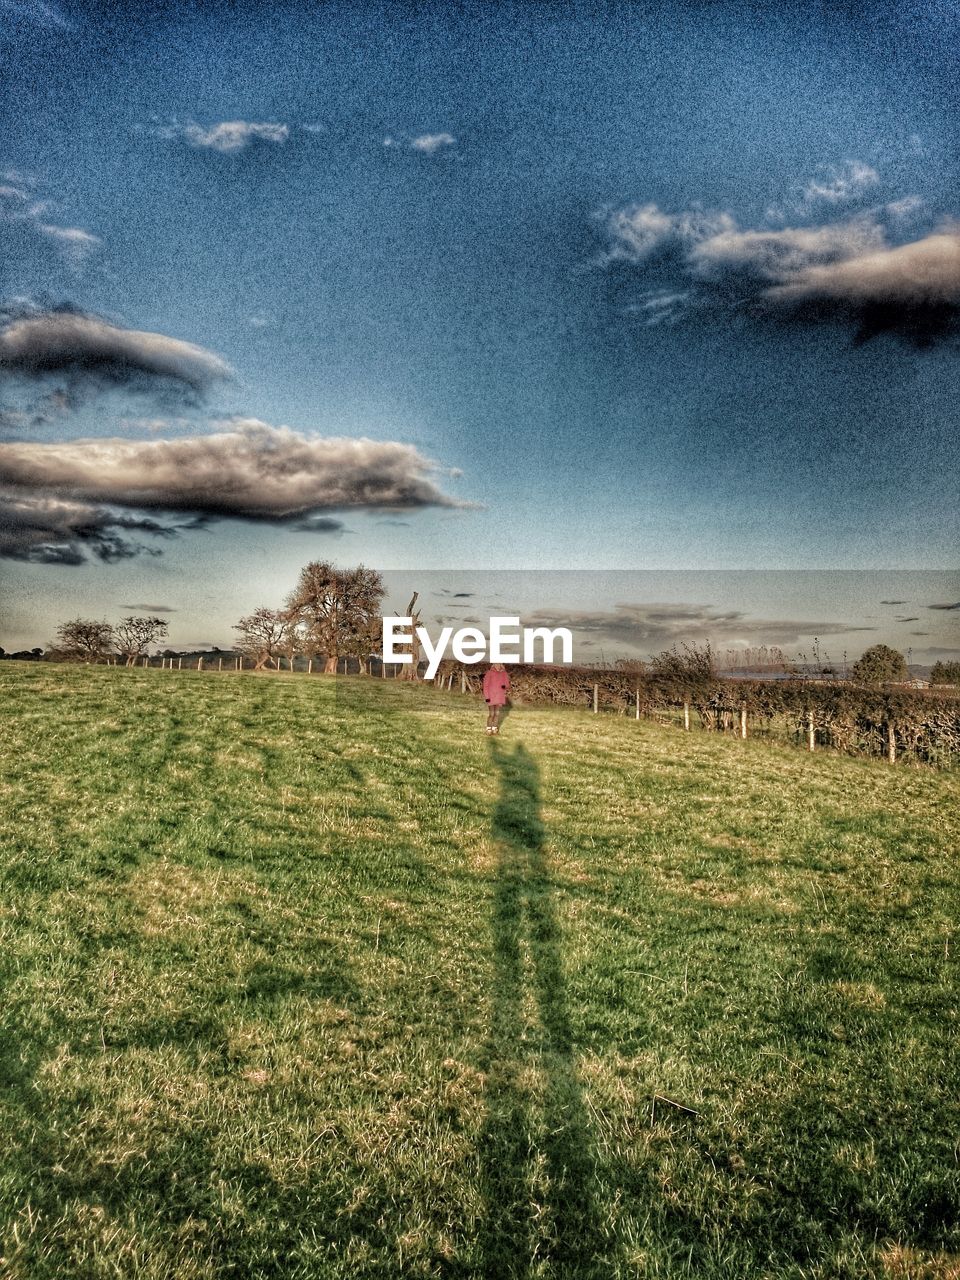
(331, 664)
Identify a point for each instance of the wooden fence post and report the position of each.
(200, 664)
(240, 662)
(180, 664)
(891, 742)
(743, 721)
(686, 715)
(220, 664)
(637, 703)
(596, 702)
(811, 735)
(463, 681)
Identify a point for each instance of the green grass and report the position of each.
(309, 978)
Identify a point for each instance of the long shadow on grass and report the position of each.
(536, 1152)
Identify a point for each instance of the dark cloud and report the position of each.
(894, 602)
(911, 619)
(150, 608)
(85, 353)
(320, 524)
(956, 605)
(51, 530)
(649, 628)
(252, 472)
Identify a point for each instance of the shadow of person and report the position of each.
(538, 1166)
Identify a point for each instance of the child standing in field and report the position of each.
(496, 687)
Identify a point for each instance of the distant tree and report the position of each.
(263, 634)
(85, 640)
(134, 635)
(337, 611)
(945, 673)
(880, 665)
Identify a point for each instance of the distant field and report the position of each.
(309, 978)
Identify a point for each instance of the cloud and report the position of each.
(781, 254)
(912, 290)
(234, 135)
(150, 608)
(320, 524)
(648, 628)
(945, 606)
(89, 350)
(429, 143)
(638, 232)
(45, 529)
(844, 271)
(841, 184)
(19, 206)
(894, 601)
(252, 472)
(75, 243)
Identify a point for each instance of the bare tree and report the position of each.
(337, 611)
(84, 639)
(134, 636)
(263, 634)
(412, 670)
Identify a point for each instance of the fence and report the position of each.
(897, 724)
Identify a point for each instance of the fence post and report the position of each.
(596, 703)
(743, 721)
(180, 664)
(686, 715)
(811, 736)
(220, 664)
(463, 681)
(891, 742)
(637, 703)
(240, 662)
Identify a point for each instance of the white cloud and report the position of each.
(429, 143)
(842, 184)
(18, 204)
(778, 254)
(253, 471)
(637, 232)
(920, 274)
(234, 135)
(76, 243)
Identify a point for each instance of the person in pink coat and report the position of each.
(496, 687)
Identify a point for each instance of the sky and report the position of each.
(439, 288)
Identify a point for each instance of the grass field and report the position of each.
(309, 978)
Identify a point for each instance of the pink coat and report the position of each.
(496, 686)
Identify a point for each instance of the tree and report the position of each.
(880, 665)
(945, 673)
(337, 611)
(134, 635)
(263, 634)
(84, 639)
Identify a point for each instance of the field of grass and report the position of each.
(309, 978)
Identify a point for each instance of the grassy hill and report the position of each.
(309, 978)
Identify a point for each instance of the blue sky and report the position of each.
(644, 287)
